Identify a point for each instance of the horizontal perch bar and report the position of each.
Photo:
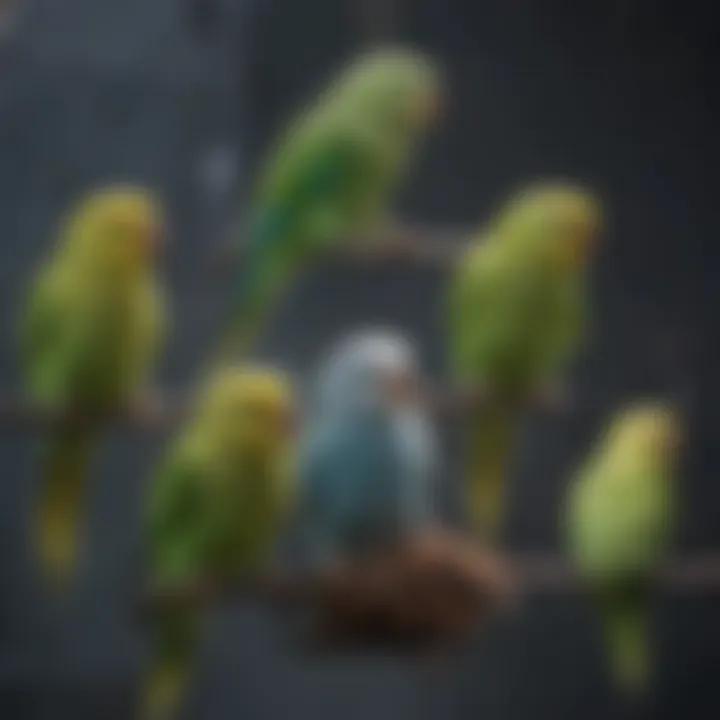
(549, 574)
(276, 586)
(537, 574)
(404, 246)
(21, 413)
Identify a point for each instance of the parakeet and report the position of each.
(517, 315)
(370, 455)
(331, 175)
(91, 334)
(620, 519)
(215, 509)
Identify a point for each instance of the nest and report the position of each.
(429, 595)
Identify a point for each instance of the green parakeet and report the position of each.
(331, 175)
(90, 336)
(516, 317)
(215, 510)
(620, 519)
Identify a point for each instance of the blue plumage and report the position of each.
(369, 456)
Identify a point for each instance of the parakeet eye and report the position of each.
(401, 387)
(429, 107)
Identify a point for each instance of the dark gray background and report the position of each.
(622, 95)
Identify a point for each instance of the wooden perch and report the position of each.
(414, 246)
(18, 413)
(699, 575)
(492, 575)
(274, 586)
(690, 575)
(459, 402)
(22, 414)
(406, 246)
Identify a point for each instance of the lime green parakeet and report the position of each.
(216, 507)
(90, 336)
(516, 317)
(332, 175)
(620, 520)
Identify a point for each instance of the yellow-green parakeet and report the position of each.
(215, 510)
(92, 331)
(517, 316)
(620, 519)
(332, 175)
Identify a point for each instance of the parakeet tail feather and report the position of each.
(167, 680)
(626, 634)
(165, 690)
(258, 286)
(492, 438)
(60, 519)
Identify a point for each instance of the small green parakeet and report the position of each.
(517, 316)
(620, 521)
(215, 511)
(332, 175)
(91, 334)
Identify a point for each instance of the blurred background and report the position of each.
(185, 96)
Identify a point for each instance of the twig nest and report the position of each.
(431, 593)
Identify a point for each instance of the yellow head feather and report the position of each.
(118, 228)
(644, 429)
(247, 408)
(394, 85)
(560, 218)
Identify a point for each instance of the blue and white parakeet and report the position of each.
(370, 452)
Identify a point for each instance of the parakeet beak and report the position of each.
(430, 109)
(674, 443)
(588, 227)
(153, 241)
(579, 250)
(581, 243)
(159, 243)
(290, 421)
(144, 245)
(402, 389)
(588, 241)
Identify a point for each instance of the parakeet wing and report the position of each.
(47, 341)
(620, 527)
(313, 513)
(324, 181)
(488, 298)
(149, 335)
(181, 521)
(508, 317)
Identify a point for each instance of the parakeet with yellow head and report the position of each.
(620, 520)
(333, 174)
(517, 316)
(91, 335)
(217, 505)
